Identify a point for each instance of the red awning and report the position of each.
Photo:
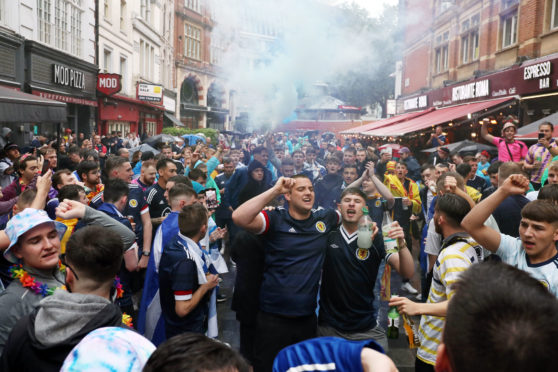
(382, 123)
(435, 117)
(137, 102)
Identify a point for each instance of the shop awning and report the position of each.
(436, 117)
(534, 126)
(382, 123)
(174, 120)
(19, 107)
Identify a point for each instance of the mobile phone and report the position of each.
(541, 135)
(211, 198)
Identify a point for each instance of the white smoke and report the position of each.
(313, 43)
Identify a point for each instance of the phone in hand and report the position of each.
(211, 199)
(541, 135)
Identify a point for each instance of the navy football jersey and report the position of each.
(348, 278)
(294, 253)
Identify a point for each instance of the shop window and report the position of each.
(509, 29)
(150, 127)
(554, 15)
(441, 53)
(470, 39)
(192, 42)
(189, 92)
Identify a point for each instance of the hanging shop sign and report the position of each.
(109, 84)
(150, 93)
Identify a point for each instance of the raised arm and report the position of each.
(401, 261)
(474, 221)
(484, 133)
(246, 215)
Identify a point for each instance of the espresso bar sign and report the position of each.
(68, 77)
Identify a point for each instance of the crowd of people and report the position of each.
(124, 250)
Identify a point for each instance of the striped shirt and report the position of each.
(453, 260)
(538, 152)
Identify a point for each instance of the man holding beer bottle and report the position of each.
(459, 252)
(350, 270)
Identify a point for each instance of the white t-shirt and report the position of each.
(511, 251)
(533, 195)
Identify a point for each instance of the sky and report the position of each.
(373, 6)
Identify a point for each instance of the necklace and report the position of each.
(27, 281)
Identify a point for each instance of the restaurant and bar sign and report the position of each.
(68, 77)
(531, 77)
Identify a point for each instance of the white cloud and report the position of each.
(374, 7)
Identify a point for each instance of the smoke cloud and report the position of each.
(307, 42)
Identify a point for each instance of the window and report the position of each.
(470, 39)
(192, 42)
(122, 15)
(60, 24)
(193, 4)
(441, 53)
(554, 15)
(509, 29)
(147, 59)
(43, 13)
(106, 9)
(123, 69)
(107, 60)
(146, 10)
(508, 3)
(75, 28)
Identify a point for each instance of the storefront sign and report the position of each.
(63, 98)
(415, 103)
(150, 93)
(109, 84)
(68, 77)
(169, 104)
(475, 89)
(539, 70)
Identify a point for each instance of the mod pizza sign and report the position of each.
(109, 84)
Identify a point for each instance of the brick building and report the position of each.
(202, 96)
(469, 59)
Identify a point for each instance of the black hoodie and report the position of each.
(41, 341)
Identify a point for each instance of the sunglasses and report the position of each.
(62, 258)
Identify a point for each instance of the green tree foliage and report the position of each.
(370, 81)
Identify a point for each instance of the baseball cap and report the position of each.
(404, 150)
(10, 146)
(24, 221)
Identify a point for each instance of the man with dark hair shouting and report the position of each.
(295, 241)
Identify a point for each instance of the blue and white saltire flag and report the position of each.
(151, 323)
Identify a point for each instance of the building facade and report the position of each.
(202, 96)
(460, 51)
(135, 41)
(48, 49)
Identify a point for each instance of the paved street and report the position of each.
(229, 331)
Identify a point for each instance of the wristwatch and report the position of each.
(145, 253)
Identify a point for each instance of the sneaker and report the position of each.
(409, 288)
(221, 297)
(419, 297)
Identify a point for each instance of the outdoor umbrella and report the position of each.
(192, 139)
(158, 139)
(144, 147)
(478, 147)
